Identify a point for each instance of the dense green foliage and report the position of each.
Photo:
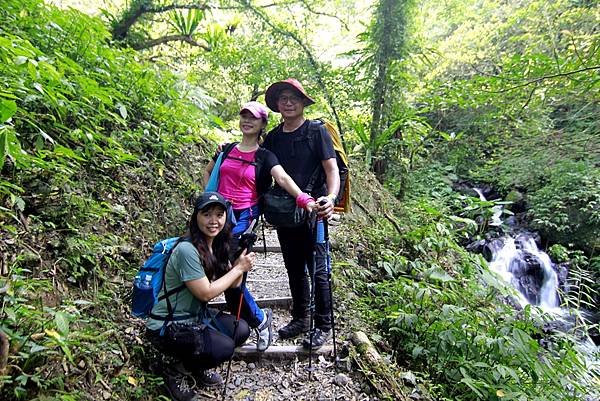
(99, 153)
(439, 307)
(518, 108)
(101, 148)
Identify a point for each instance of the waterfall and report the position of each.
(519, 262)
(517, 259)
(497, 209)
(513, 254)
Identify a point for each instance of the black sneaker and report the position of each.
(264, 332)
(180, 386)
(294, 328)
(206, 378)
(319, 338)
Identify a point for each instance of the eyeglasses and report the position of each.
(291, 98)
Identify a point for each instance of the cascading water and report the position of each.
(514, 255)
(520, 262)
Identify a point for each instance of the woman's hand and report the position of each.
(245, 262)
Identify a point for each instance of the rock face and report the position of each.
(528, 276)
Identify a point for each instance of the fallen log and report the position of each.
(376, 369)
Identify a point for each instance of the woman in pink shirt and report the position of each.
(247, 169)
(245, 174)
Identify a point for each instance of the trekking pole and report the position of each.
(311, 325)
(246, 242)
(235, 327)
(330, 280)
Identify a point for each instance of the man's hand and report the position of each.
(325, 206)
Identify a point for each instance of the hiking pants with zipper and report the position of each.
(250, 311)
(297, 245)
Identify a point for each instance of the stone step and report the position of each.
(261, 249)
(280, 352)
(273, 303)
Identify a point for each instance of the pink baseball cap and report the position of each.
(273, 92)
(257, 110)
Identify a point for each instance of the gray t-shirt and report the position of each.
(184, 265)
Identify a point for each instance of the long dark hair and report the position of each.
(216, 263)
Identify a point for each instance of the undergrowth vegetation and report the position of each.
(101, 151)
(447, 317)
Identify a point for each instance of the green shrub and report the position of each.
(566, 209)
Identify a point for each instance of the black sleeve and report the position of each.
(270, 161)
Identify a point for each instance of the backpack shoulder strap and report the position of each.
(314, 129)
(167, 293)
(227, 148)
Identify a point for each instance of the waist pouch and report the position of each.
(280, 209)
(184, 340)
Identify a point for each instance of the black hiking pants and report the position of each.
(297, 245)
(201, 346)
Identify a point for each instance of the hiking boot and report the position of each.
(294, 328)
(180, 386)
(207, 378)
(264, 332)
(319, 338)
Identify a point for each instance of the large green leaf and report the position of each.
(8, 108)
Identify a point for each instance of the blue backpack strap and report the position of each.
(167, 293)
(213, 182)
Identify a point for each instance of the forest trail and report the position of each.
(281, 372)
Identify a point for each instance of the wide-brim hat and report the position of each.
(210, 198)
(256, 109)
(273, 91)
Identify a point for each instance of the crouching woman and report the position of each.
(180, 324)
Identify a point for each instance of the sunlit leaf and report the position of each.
(439, 274)
(122, 111)
(20, 60)
(53, 333)
(62, 323)
(39, 87)
(37, 348)
(7, 109)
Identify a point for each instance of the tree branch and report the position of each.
(4, 346)
(311, 59)
(132, 15)
(169, 38)
(546, 77)
(325, 15)
(121, 28)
